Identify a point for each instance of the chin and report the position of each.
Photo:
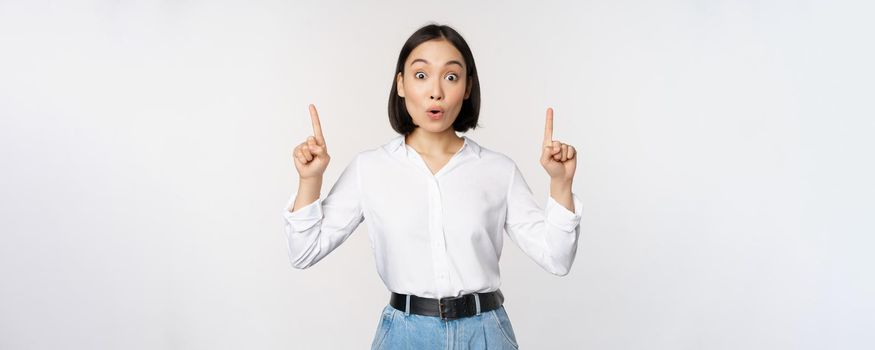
(436, 130)
(431, 128)
(429, 125)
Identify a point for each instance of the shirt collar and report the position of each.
(395, 145)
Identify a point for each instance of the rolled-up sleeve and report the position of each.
(318, 228)
(549, 235)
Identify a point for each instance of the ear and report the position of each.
(399, 80)
(468, 87)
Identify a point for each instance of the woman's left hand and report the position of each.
(556, 157)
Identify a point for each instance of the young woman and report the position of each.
(436, 205)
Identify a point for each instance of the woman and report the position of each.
(436, 205)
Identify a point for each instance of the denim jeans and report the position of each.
(400, 330)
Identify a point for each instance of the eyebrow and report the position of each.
(447, 64)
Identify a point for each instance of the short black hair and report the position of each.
(470, 112)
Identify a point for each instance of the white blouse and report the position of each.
(435, 235)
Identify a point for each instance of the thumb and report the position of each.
(546, 153)
(316, 150)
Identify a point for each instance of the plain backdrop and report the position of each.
(725, 165)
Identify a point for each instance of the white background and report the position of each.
(726, 158)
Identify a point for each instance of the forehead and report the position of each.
(436, 52)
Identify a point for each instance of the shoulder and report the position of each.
(497, 164)
(489, 155)
(495, 156)
(380, 151)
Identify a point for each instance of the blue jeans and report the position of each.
(400, 330)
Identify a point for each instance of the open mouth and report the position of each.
(435, 112)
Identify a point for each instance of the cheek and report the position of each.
(409, 104)
(456, 93)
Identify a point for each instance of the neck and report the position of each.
(434, 144)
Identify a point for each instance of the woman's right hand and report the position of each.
(311, 156)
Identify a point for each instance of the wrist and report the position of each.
(311, 180)
(560, 184)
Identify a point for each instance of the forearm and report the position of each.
(308, 192)
(560, 190)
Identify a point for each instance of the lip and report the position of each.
(436, 115)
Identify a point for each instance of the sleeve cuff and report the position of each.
(305, 217)
(559, 216)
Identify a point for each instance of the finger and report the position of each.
(317, 126)
(313, 147)
(557, 146)
(301, 156)
(306, 150)
(316, 150)
(548, 127)
(571, 152)
(564, 152)
(546, 153)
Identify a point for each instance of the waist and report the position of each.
(448, 308)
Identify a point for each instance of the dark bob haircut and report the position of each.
(470, 112)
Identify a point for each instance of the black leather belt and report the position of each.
(448, 308)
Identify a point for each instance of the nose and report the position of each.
(436, 92)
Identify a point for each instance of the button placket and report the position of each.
(435, 224)
(437, 235)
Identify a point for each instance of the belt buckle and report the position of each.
(441, 310)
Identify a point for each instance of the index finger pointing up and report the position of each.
(317, 127)
(548, 128)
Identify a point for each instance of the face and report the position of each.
(434, 78)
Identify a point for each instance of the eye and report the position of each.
(417, 75)
(454, 76)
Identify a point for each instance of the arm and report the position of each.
(548, 236)
(309, 191)
(315, 229)
(560, 190)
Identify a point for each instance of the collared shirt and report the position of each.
(435, 235)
